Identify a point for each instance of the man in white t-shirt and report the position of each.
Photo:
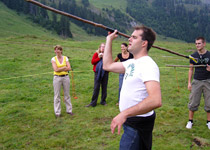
(140, 93)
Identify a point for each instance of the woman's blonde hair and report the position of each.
(99, 48)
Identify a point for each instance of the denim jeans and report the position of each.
(121, 76)
(138, 133)
(129, 139)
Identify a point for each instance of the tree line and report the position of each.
(180, 19)
(61, 24)
(173, 18)
(41, 16)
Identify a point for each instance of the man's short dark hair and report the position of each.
(148, 35)
(201, 38)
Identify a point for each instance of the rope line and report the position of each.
(25, 76)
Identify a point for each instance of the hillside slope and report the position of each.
(184, 20)
(118, 4)
(17, 24)
(12, 24)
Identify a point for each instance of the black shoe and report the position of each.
(89, 105)
(104, 104)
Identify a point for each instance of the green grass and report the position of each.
(27, 118)
(117, 4)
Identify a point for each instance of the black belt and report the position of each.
(62, 75)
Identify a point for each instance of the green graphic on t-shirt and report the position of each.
(130, 73)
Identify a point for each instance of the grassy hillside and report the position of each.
(12, 24)
(15, 24)
(27, 119)
(118, 4)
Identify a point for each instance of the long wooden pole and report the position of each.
(75, 17)
(186, 66)
(101, 26)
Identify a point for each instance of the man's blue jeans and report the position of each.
(138, 133)
(129, 139)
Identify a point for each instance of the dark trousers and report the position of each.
(144, 126)
(103, 82)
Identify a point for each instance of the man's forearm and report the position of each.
(60, 69)
(107, 58)
(143, 107)
(150, 103)
(190, 75)
(108, 63)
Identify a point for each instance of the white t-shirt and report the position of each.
(137, 71)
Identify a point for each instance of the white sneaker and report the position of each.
(208, 125)
(190, 124)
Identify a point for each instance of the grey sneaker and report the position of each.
(190, 124)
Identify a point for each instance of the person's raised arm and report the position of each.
(116, 59)
(95, 59)
(108, 63)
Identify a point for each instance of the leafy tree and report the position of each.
(85, 3)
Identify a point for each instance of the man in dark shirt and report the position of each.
(201, 81)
